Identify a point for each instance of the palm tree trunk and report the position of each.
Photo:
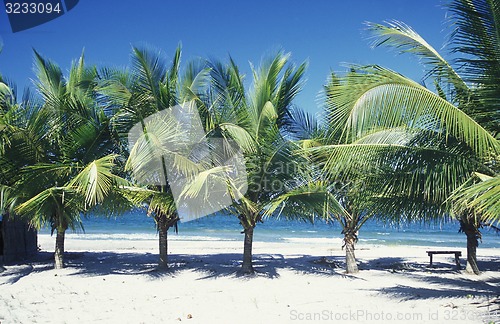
(247, 267)
(350, 258)
(163, 229)
(472, 244)
(470, 228)
(2, 268)
(59, 251)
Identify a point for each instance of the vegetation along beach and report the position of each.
(201, 186)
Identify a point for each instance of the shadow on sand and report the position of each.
(442, 280)
(210, 265)
(431, 280)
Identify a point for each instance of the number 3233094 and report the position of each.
(32, 8)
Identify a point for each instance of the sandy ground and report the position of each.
(115, 281)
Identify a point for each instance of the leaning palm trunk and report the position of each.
(59, 250)
(473, 236)
(472, 244)
(247, 267)
(349, 241)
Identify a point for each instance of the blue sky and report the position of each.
(326, 33)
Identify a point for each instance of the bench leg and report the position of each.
(430, 260)
(457, 261)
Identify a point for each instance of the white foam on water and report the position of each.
(312, 240)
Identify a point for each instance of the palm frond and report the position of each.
(240, 136)
(375, 97)
(304, 125)
(50, 79)
(406, 40)
(195, 81)
(7, 198)
(57, 206)
(306, 201)
(391, 136)
(267, 86)
(150, 71)
(476, 36)
(482, 198)
(266, 119)
(162, 204)
(96, 181)
(420, 172)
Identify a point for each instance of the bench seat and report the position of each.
(458, 254)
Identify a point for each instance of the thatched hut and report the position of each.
(17, 240)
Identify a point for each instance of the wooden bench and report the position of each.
(458, 254)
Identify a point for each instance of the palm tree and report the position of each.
(259, 121)
(5, 190)
(12, 137)
(349, 181)
(433, 142)
(145, 96)
(63, 149)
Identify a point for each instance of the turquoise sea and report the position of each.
(136, 225)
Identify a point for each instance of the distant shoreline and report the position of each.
(413, 236)
(327, 247)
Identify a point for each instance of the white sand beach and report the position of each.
(115, 281)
